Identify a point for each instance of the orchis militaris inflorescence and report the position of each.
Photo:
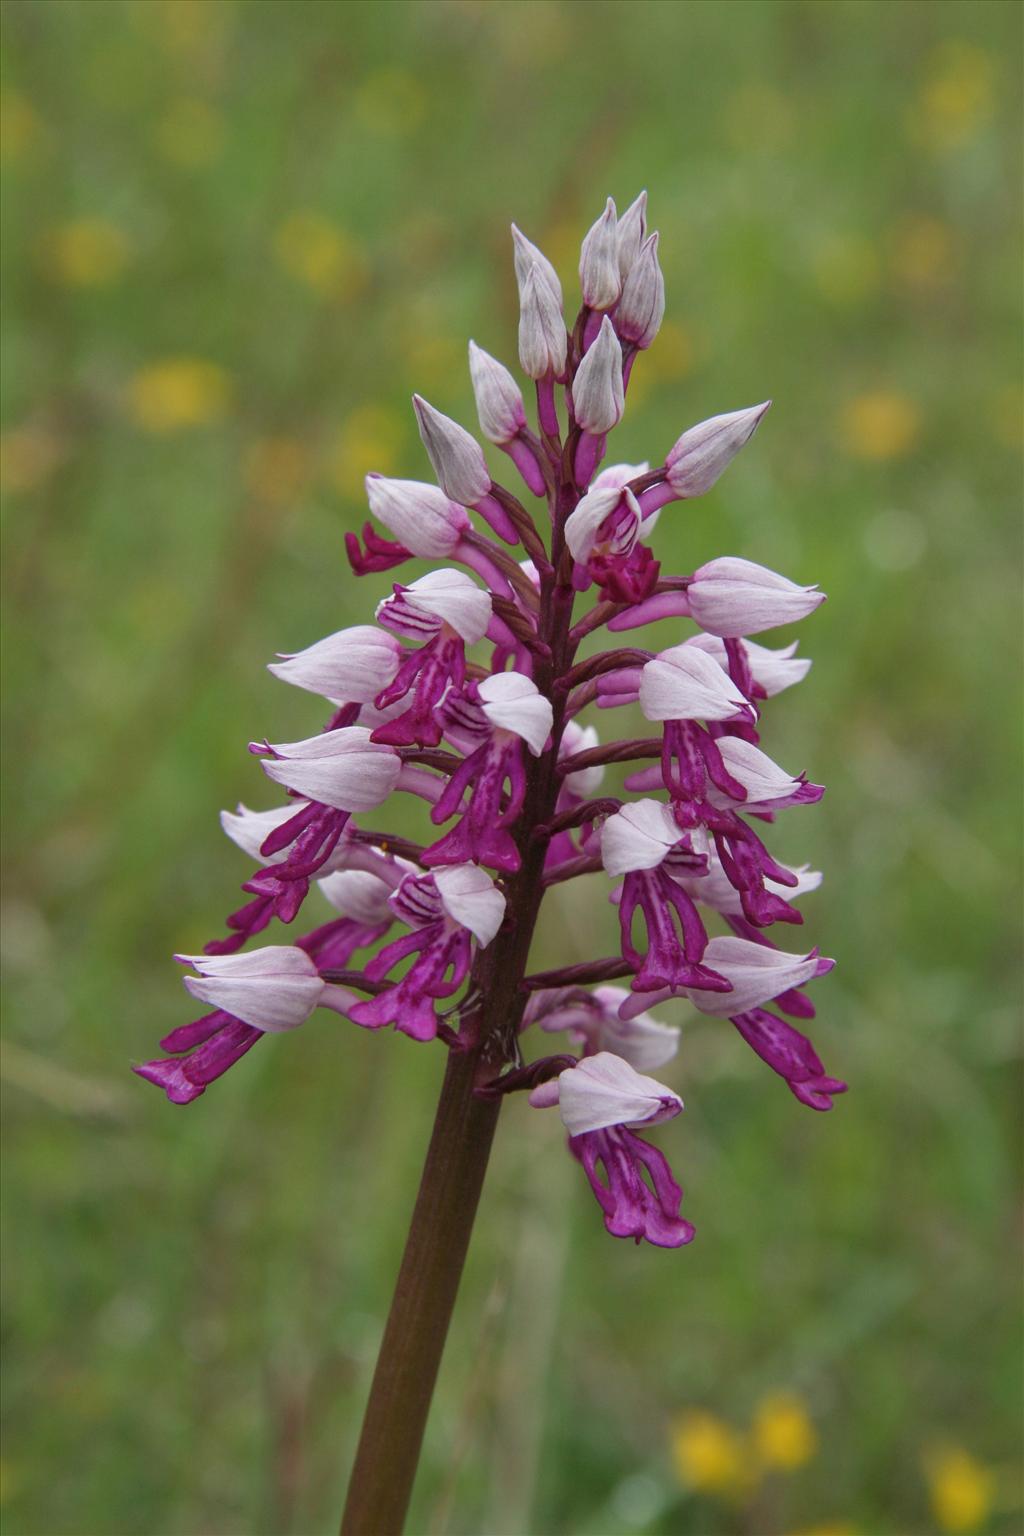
(468, 692)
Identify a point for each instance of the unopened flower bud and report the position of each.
(597, 395)
(630, 234)
(642, 306)
(499, 401)
(732, 597)
(426, 521)
(351, 666)
(526, 255)
(706, 450)
(457, 457)
(542, 338)
(599, 262)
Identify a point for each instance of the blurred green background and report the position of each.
(236, 237)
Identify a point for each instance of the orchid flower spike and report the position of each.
(464, 715)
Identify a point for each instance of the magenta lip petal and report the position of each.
(187, 1036)
(214, 1058)
(631, 1207)
(169, 1076)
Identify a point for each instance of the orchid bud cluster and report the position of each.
(468, 692)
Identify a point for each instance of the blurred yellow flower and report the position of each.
(1008, 416)
(956, 96)
(830, 1528)
(391, 102)
(178, 393)
(960, 1489)
(530, 33)
(190, 133)
(28, 456)
(435, 362)
(370, 439)
(672, 355)
(275, 469)
(8, 1481)
(880, 425)
(758, 116)
(846, 269)
(85, 253)
(922, 253)
(784, 1436)
(560, 243)
(708, 1454)
(322, 255)
(189, 28)
(20, 128)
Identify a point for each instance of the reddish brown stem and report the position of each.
(421, 1308)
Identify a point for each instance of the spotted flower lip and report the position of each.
(604, 1090)
(685, 684)
(271, 989)
(341, 768)
(703, 453)
(351, 666)
(733, 597)
(440, 597)
(427, 522)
